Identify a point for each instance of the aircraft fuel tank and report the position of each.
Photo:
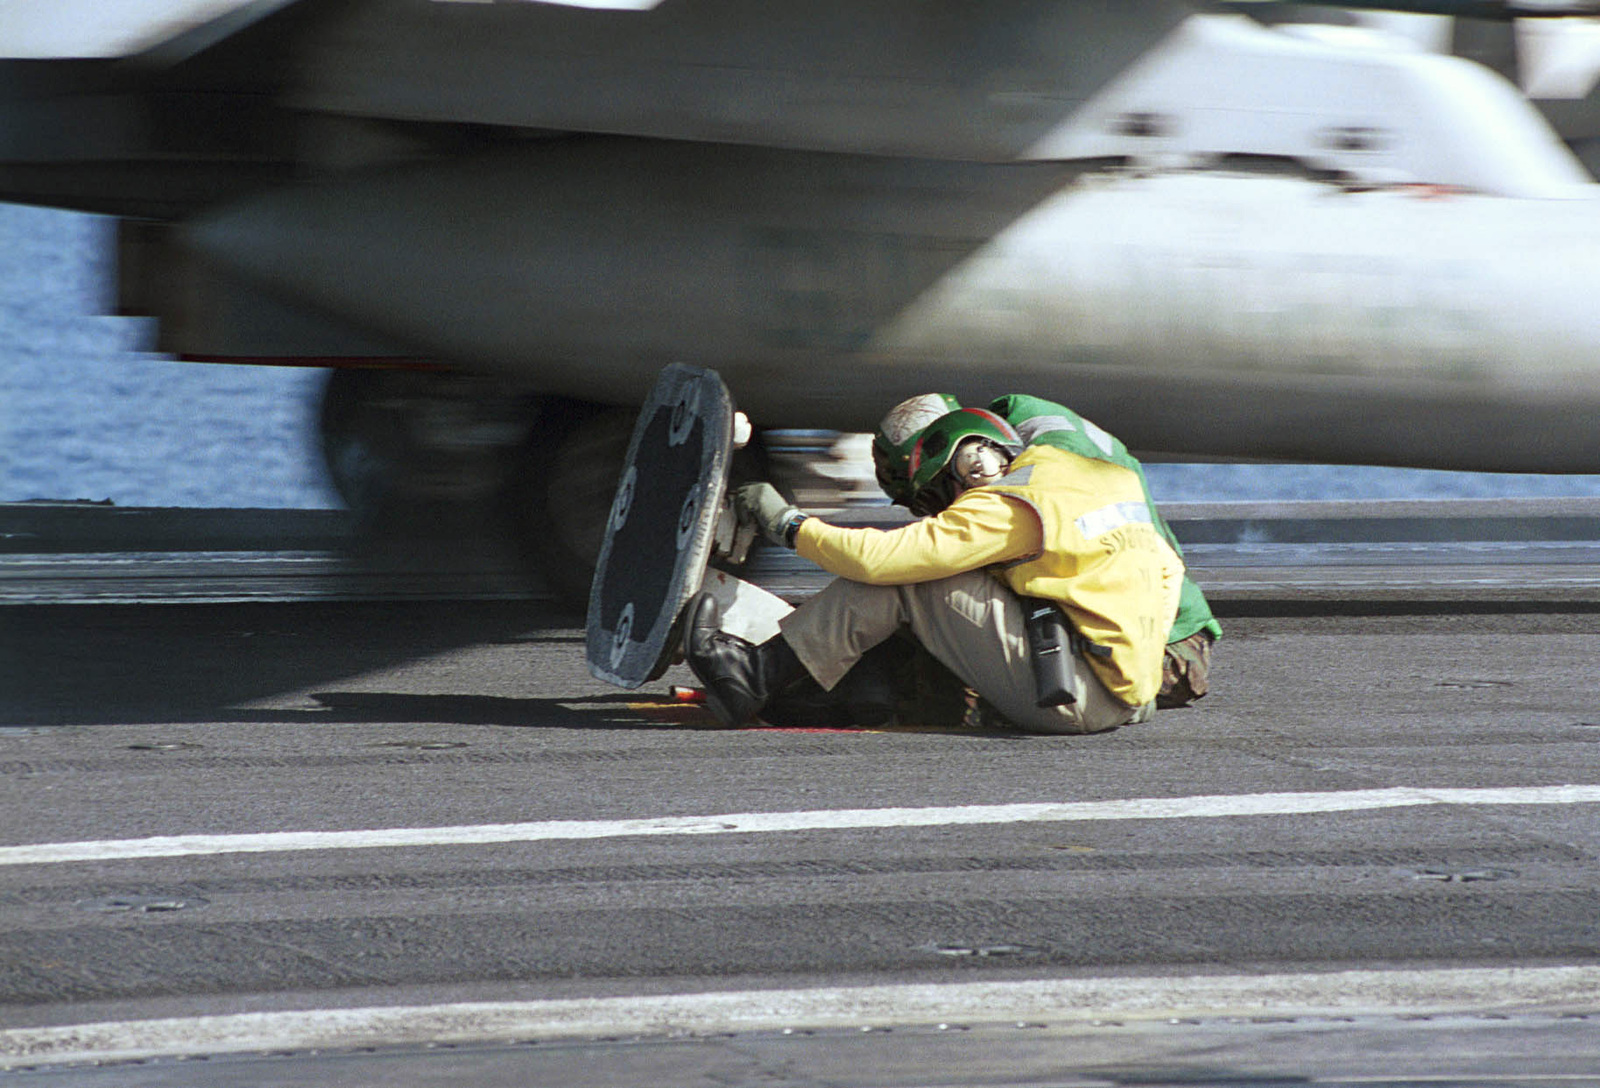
(1227, 312)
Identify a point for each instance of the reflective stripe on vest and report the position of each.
(1115, 516)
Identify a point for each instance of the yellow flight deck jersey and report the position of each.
(1072, 529)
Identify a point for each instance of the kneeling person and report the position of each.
(1194, 630)
(1011, 522)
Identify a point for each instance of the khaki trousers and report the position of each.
(972, 623)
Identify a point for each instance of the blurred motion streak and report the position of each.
(1222, 235)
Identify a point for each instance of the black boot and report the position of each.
(869, 695)
(739, 677)
(868, 689)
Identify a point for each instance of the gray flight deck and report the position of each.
(1474, 553)
(1431, 670)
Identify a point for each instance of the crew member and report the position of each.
(1005, 523)
(1186, 662)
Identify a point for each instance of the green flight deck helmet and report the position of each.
(932, 486)
(897, 434)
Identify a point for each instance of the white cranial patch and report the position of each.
(910, 416)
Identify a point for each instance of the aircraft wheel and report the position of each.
(568, 474)
(407, 448)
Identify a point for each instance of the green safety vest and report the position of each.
(1050, 424)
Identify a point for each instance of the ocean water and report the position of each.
(86, 413)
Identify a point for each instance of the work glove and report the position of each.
(761, 505)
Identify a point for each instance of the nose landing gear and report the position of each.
(435, 463)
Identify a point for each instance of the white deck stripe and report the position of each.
(1054, 1001)
(1157, 808)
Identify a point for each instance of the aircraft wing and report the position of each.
(273, 88)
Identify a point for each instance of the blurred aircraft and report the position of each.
(1555, 61)
(498, 220)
